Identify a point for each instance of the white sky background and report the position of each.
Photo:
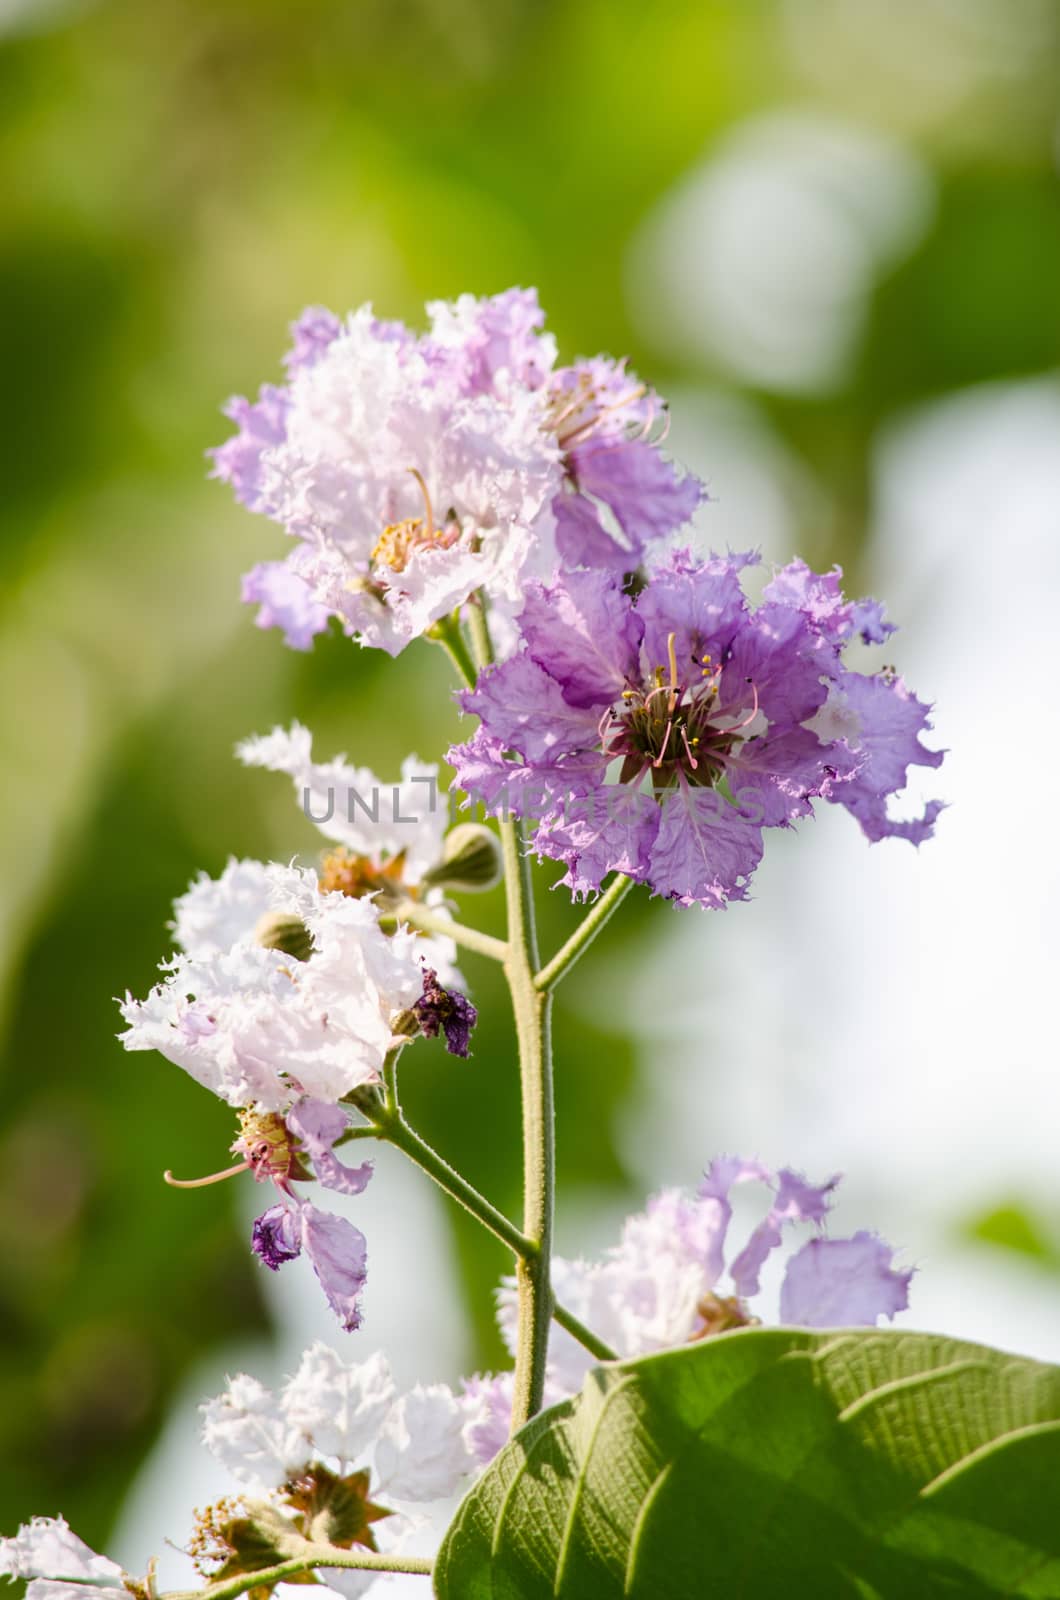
(873, 1010)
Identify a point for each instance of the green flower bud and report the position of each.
(471, 859)
(278, 930)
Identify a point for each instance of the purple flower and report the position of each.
(658, 734)
(445, 1010)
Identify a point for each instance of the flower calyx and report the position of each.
(332, 1509)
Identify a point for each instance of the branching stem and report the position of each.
(584, 934)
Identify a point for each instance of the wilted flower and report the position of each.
(657, 733)
(445, 1011)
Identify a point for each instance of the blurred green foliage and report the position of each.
(180, 179)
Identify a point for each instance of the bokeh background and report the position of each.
(828, 231)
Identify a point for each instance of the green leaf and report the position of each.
(768, 1462)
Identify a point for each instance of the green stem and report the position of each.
(479, 628)
(390, 1127)
(585, 1336)
(532, 1017)
(584, 934)
(427, 921)
(532, 1008)
(448, 634)
(315, 1556)
(396, 1131)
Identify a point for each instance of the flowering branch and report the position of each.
(583, 936)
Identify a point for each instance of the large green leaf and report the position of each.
(771, 1462)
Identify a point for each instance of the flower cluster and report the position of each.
(414, 470)
(312, 1460)
(657, 729)
(287, 995)
(339, 1455)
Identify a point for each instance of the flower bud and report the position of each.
(278, 930)
(471, 859)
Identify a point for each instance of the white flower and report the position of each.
(347, 1414)
(251, 1433)
(215, 914)
(339, 1405)
(258, 1027)
(421, 1453)
(59, 1565)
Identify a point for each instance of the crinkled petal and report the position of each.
(522, 707)
(649, 496)
(705, 850)
(317, 1124)
(487, 1402)
(843, 1283)
(311, 335)
(777, 662)
(880, 722)
(701, 603)
(249, 1432)
(286, 600)
(262, 423)
(421, 1453)
(352, 806)
(47, 1548)
(215, 914)
(479, 340)
(820, 596)
(584, 632)
(339, 1254)
(796, 1201)
(340, 1405)
(774, 778)
(598, 829)
(582, 540)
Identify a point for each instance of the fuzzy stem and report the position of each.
(584, 934)
(427, 921)
(315, 1555)
(532, 1009)
(393, 1129)
(532, 1017)
(390, 1127)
